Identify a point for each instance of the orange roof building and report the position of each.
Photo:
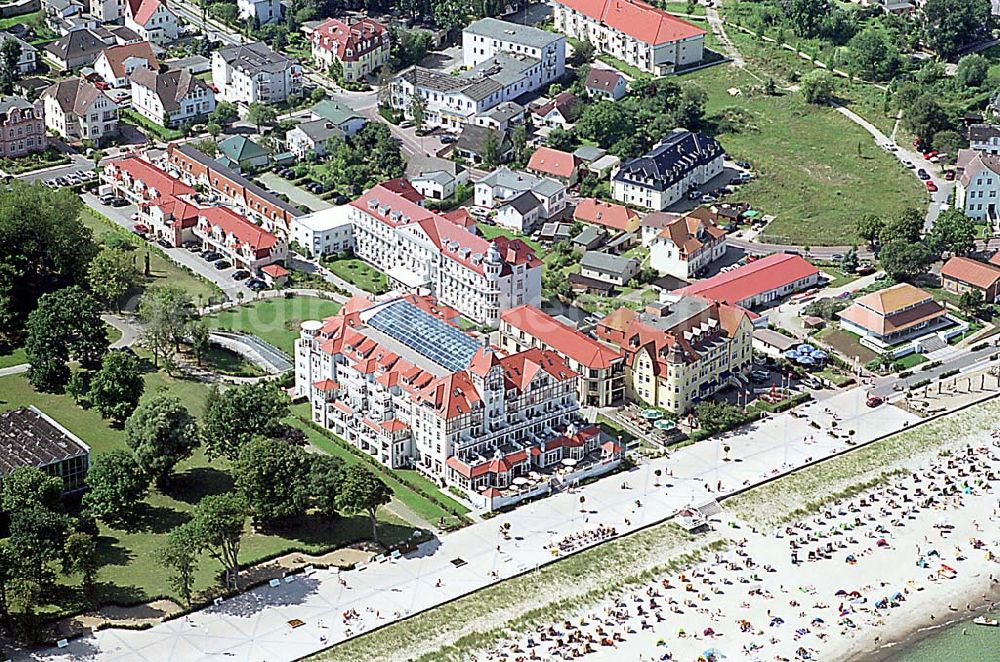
(894, 314)
(606, 214)
(360, 47)
(963, 274)
(680, 351)
(635, 32)
(406, 385)
(548, 162)
(599, 367)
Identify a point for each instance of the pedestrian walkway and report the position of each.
(255, 625)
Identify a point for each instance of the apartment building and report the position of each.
(22, 127)
(686, 245)
(27, 61)
(324, 232)
(77, 110)
(487, 38)
(680, 351)
(504, 184)
(637, 33)
(170, 98)
(253, 73)
(977, 184)
(419, 248)
(398, 380)
(249, 199)
(152, 20)
(115, 64)
(361, 47)
(600, 368)
(984, 138)
(680, 162)
(452, 101)
(244, 243)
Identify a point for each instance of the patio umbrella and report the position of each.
(709, 632)
(713, 653)
(841, 592)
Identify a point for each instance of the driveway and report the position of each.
(182, 256)
(297, 195)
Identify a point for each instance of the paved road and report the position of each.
(254, 626)
(295, 194)
(215, 30)
(183, 257)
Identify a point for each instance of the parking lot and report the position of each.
(71, 179)
(215, 270)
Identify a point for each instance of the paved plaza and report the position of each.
(254, 626)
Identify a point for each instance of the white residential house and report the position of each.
(253, 73)
(152, 20)
(488, 37)
(170, 98)
(116, 63)
(633, 31)
(77, 110)
(434, 177)
(521, 213)
(977, 186)
(324, 232)
(686, 245)
(361, 48)
(309, 139)
(107, 11)
(504, 184)
(678, 163)
(261, 11)
(984, 138)
(28, 60)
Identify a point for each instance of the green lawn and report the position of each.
(227, 362)
(130, 573)
(359, 273)
(846, 343)
(838, 278)
(492, 231)
(162, 269)
(816, 170)
(682, 8)
(276, 321)
(35, 161)
(909, 361)
(13, 357)
(129, 116)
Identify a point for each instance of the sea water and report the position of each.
(963, 641)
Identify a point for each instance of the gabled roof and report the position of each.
(84, 43)
(763, 275)
(143, 10)
(598, 212)
(893, 309)
(689, 233)
(116, 56)
(245, 231)
(636, 19)
(360, 37)
(566, 103)
(605, 80)
(553, 162)
(74, 95)
(241, 148)
(171, 87)
(972, 272)
(670, 160)
(335, 112)
(970, 163)
(151, 176)
(563, 339)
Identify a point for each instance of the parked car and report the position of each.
(119, 202)
(105, 199)
(256, 284)
(949, 175)
(164, 243)
(923, 174)
(707, 198)
(211, 256)
(837, 257)
(743, 164)
(931, 186)
(874, 401)
(193, 246)
(447, 138)
(760, 376)
(241, 274)
(223, 264)
(694, 194)
(908, 164)
(340, 199)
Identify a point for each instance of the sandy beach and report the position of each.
(916, 551)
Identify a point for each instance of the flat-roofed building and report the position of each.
(486, 38)
(30, 438)
(600, 368)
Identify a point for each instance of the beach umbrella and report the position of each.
(841, 592)
(817, 620)
(713, 653)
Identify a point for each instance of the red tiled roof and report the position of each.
(142, 10)
(603, 79)
(638, 20)
(326, 385)
(361, 37)
(275, 271)
(521, 368)
(563, 339)
(763, 275)
(152, 177)
(244, 231)
(116, 56)
(550, 161)
(598, 212)
(973, 272)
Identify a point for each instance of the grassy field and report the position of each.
(162, 269)
(360, 274)
(130, 574)
(226, 362)
(274, 320)
(15, 356)
(817, 171)
(846, 343)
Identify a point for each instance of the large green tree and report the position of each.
(324, 481)
(30, 486)
(606, 123)
(112, 274)
(161, 432)
(165, 311)
(361, 491)
(817, 86)
(66, 325)
(270, 477)
(117, 485)
(902, 259)
(80, 556)
(235, 416)
(43, 248)
(217, 528)
(925, 117)
(953, 232)
(37, 536)
(115, 389)
(972, 70)
(872, 54)
(951, 25)
(180, 554)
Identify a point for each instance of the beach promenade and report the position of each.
(255, 625)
